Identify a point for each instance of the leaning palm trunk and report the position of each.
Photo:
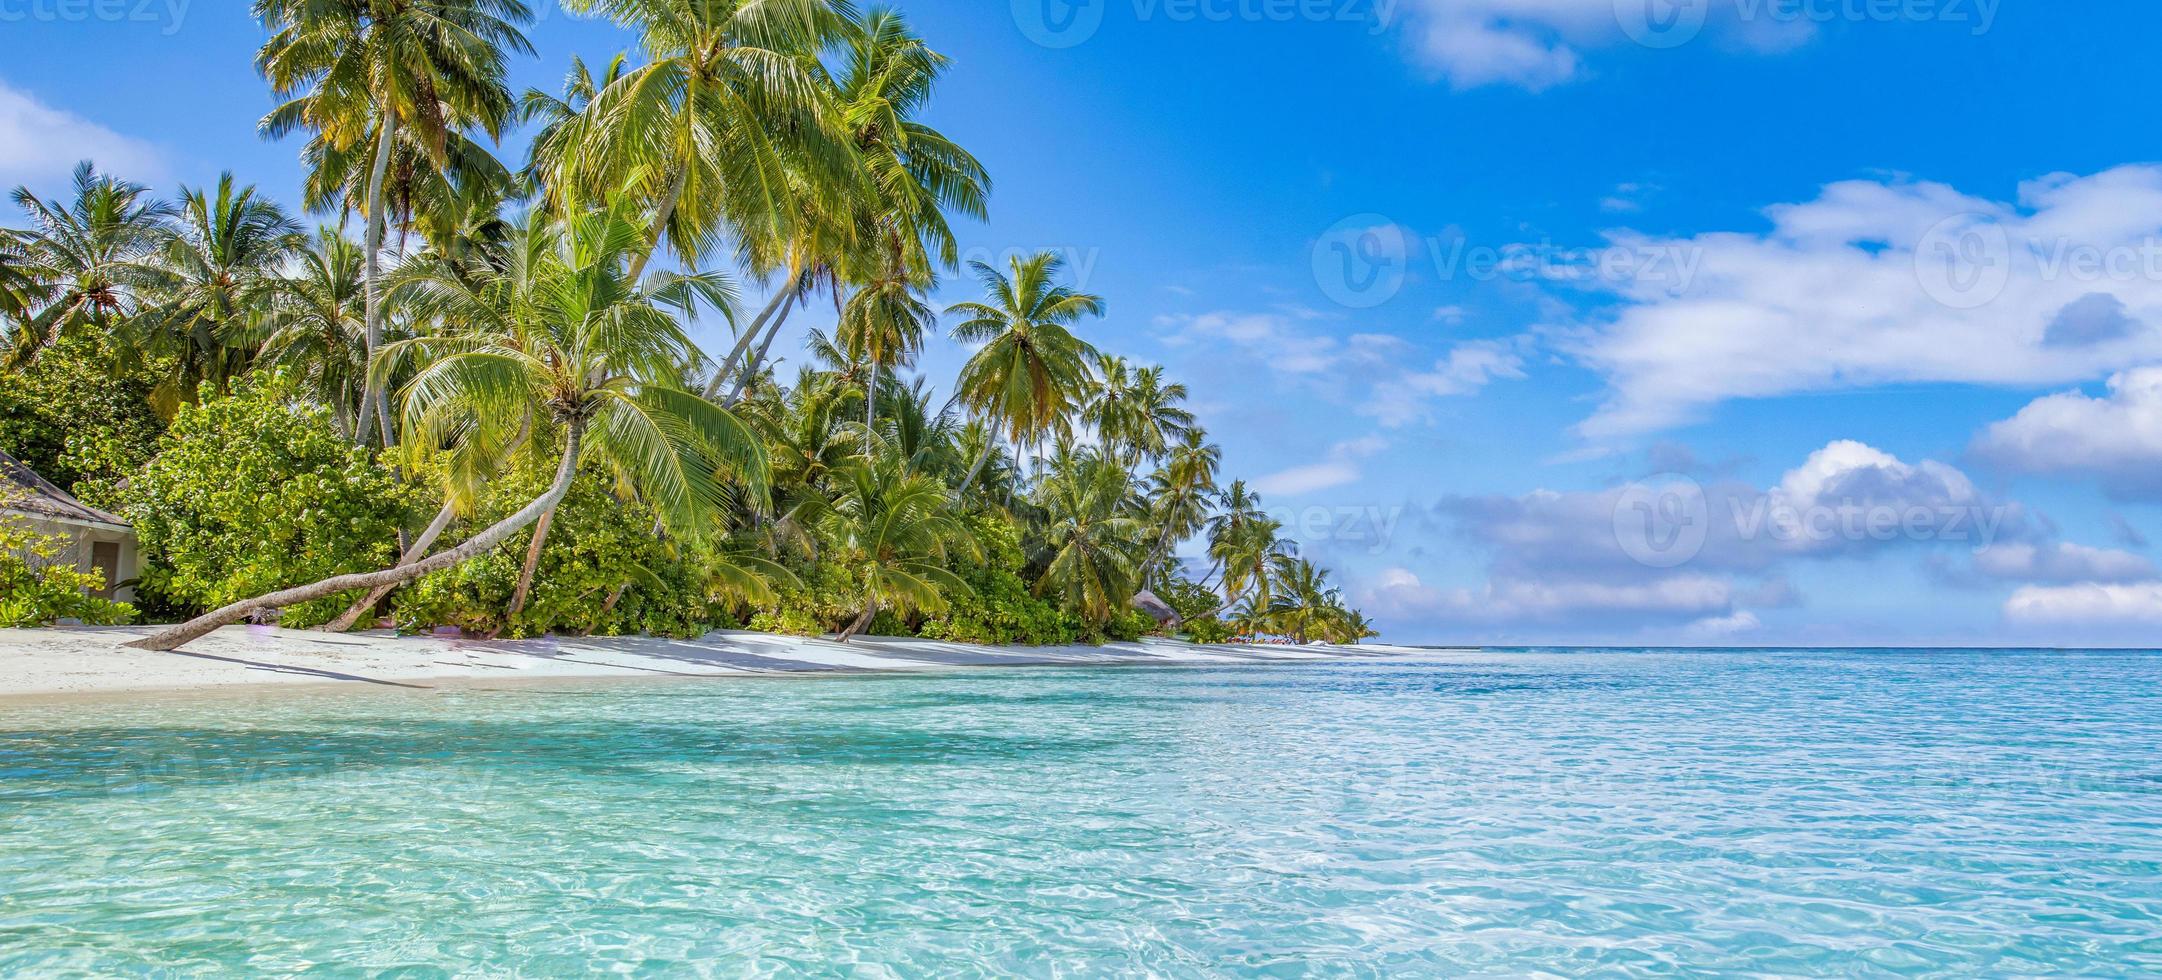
(415, 553)
(989, 446)
(862, 622)
(723, 371)
(660, 221)
(750, 367)
(174, 637)
(870, 408)
(375, 406)
(532, 563)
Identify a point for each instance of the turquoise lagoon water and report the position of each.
(1893, 813)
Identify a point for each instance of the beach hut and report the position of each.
(97, 540)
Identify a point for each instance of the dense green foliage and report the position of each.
(39, 585)
(257, 491)
(508, 363)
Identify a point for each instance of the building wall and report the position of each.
(82, 541)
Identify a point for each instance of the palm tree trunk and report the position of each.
(862, 622)
(660, 221)
(990, 445)
(750, 367)
(415, 553)
(722, 371)
(173, 637)
(532, 563)
(870, 406)
(373, 401)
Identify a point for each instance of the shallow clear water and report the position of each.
(1812, 813)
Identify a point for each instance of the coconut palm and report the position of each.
(1247, 551)
(884, 323)
(1156, 417)
(359, 72)
(1032, 369)
(94, 255)
(562, 124)
(1302, 605)
(316, 326)
(563, 339)
(213, 287)
(720, 124)
(892, 530)
(1182, 491)
(1096, 543)
(24, 284)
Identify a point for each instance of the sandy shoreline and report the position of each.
(44, 663)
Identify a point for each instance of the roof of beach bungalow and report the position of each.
(23, 491)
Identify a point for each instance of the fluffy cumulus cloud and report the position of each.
(1537, 44)
(2115, 438)
(1387, 377)
(39, 144)
(2087, 605)
(1880, 282)
(1700, 562)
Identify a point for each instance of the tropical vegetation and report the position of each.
(481, 405)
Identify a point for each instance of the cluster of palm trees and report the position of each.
(488, 314)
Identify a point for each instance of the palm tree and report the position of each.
(24, 284)
(892, 529)
(355, 71)
(1032, 368)
(725, 113)
(1155, 417)
(1110, 402)
(563, 339)
(1303, 603)
(316, 328)
(213, 287)
(1182, 491)
(562, 125)
(884, 323)
(1094, 539)
(93, 254)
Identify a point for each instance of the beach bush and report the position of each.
(79, 417)
(601, 572)
(256, 491)
(40, 586)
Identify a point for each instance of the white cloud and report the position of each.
(1537, 44)
(1884, 282)
(2086, 606)
(39, 144)
(1339, 469)
(2116, 438)
(2061, 561)
(1368, 370)
(1724, 627)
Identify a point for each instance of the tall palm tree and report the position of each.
(724, 115)
(1096, 542)
(562, 122)
(1032, 368)
(1303, 605)
(213, 288)
(316, 328)
(354, 71)
(563, 338)
(884, 323)
(1156, 416)
(1182, 490)
(94, 254)
(1110, 402)
(892, 529)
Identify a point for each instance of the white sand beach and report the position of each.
(94, 661)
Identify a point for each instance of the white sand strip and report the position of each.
(45, 662)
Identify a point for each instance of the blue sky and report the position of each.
(1460, 284)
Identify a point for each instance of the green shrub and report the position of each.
(79, 418)
(254, 492)
(39, 589)
(598, 549)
